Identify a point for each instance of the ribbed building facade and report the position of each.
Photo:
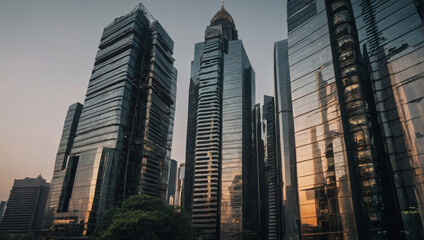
(272, 171)
(125, 129)
(25, 207)
(351, 133)
(222, 193)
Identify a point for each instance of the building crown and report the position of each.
(222, 15)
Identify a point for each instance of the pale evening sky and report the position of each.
(47, 50)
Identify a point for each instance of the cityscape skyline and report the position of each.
(57, 84)
(324, 141)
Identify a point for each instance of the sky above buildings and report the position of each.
(47, 51)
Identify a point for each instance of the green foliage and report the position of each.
(144, 217)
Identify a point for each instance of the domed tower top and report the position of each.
(221, 16)
(222, 24)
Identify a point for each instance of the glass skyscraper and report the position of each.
(354, 74)
(272, 171)
(125, 129)
(286, 152)
(221, 163)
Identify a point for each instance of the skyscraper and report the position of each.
(125, 129)
(261, 173)
(286, 152)
(68, 135)
(224, 197)
(350, 183)
(25, 207)
(272, 171)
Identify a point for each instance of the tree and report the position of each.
(143, 217)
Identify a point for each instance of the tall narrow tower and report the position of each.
(223, 201)
(124, 132)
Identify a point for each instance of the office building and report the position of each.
(285, 144)
(124, 133)
(224, 191)
(353, 181)
(68, 135)
(25, 207)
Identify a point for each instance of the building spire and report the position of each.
(222, 3)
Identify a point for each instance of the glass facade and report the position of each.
(285, 142)
(324, 183)
(187, 199)
(65, 146)
(238, 167)
(125, 130)
(222, 82)
(391, 37)
(261, 173)
(272, 171)
(353, 149)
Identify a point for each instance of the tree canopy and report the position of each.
(145, 217)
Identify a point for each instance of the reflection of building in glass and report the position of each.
(285, 145)
(25, 207)
(392, 40)
(224, 191)
(354, 177)
(125, 129)
(68, 135)
(180, 185)
(272, 171)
